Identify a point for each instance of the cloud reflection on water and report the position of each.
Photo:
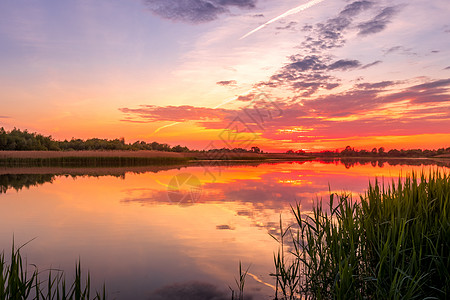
(261, 194)
(152, 241)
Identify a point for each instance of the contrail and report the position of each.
(165, 126)
(288, 13)
(233, 98)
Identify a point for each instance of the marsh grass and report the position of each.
(86, 161)
(240, 283)
(394, 243)
(18, 282)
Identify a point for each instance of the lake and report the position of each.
(149, 231)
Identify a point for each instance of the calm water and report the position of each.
(143, 233)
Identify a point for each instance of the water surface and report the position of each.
(145, 231)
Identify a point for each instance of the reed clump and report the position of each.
(17, 282)
(394, 243)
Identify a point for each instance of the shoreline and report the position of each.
(78, 160)
(190, 155)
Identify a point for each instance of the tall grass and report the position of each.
(392, 244)
(17, 282)
(240, 283)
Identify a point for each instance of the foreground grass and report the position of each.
(392, 244)
(17, 282)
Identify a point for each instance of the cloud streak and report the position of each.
(371, 64)
(286, 14)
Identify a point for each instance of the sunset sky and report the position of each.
(322, 74)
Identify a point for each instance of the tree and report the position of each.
(179, 148)
(348, 151)
(394, 153)
(256, 150)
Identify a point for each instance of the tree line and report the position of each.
(234, 150)
(19, 140)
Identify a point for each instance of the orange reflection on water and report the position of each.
(131, 234)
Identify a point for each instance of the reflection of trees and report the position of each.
(18, 178)
(19, 181)
(380, 162)
(380, 153)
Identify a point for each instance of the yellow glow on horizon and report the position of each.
(424, 141)
(295, 182)
(295, 130)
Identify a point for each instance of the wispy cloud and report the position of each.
(379, 22)
(344, 65)
(319, 70)
(307, 74)
(443, 83)
(227, 82)
(371, 64)
(376, 85)
(195, 11)
(153, 113)
(290, 25)
(330, 34)
(399, 50)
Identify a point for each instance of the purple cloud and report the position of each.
(379, 22)
(227, 82)
(195, 11)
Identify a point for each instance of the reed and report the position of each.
(18, 283)
(394, 243)
(240, 283)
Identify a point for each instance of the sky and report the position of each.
(280, 75)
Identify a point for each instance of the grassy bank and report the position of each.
(86, 161)
(394, 243)
(98, 159)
